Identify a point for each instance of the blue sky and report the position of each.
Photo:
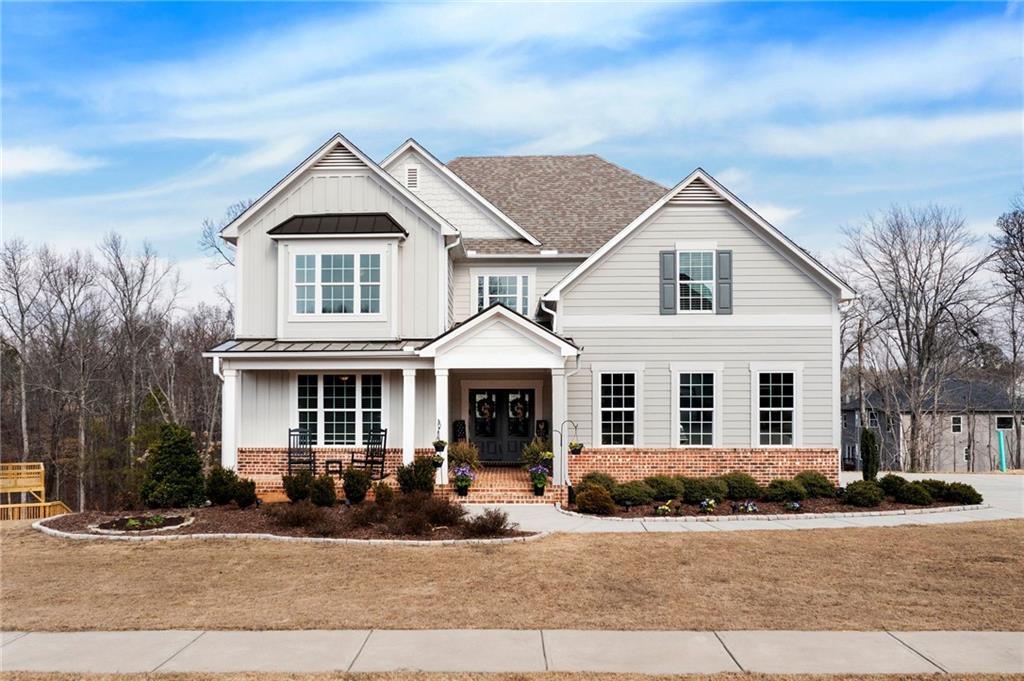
(147, 118)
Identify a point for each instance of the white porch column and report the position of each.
(559, 413)
(229, 419)
(408, 415)
(441, 413)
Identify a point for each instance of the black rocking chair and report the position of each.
(372, 456)
(300, 450)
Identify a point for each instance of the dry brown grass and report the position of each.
(544, 676)
(964, 576)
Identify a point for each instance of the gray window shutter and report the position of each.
(724, 283)
(669, 297)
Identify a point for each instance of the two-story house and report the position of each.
(498, 298)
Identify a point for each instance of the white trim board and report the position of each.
(797, 369)
(753, 321)
(718, 370)
(598, 368)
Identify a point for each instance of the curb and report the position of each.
(39, 526)
(772, 516)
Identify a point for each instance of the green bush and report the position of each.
(635, 493)
(914, 493)
(936, 488)
(816, 484)
(418, 476)
(869, 456)
(961, 493)
(891, 484)
(598, 479)
(537, 452)
(596, 500)
(296, 486)
(490, 523)
(463, 454)
(741, 486)
(174, 471)
(220, 485)
(383, 493)
(245, 492)
(784, 490)
(696, 490)
(864, 493)
(322, 491)
(664, 487)
(356, 483)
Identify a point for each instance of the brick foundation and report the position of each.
(266, 465)
(764, 464)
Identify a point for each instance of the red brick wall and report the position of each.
(266, 465)
(764, 464)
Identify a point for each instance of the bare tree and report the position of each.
(210, 242)
(1009, 263)
(920, 266)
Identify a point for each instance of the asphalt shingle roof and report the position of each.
(570, 203)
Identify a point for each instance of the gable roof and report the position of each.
(532, 328)
(329, 154)
(488, 207)
(339, 223)
(699, 187)
(956, 395)
(570, 203)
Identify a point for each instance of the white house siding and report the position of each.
(765, 282)
(450, 201)
(419, 313)
(266, 408)
(547, 273)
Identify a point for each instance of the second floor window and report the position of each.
(511, 290)
(696, 281)
(956, 424)
(337, 283)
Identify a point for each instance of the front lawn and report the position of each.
(533, 676)
(964, 576)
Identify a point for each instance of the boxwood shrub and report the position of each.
(322, 491)
(936, 488)
(784, 490)
(696, 490)
(961, 493)
(664, 487)
(914, 493)
(596, 500)
(356, 483)
(816, 484)
(892, 483)
(598, 479)
(296, 486)
(220, 485)
(635, 493)
(864, 493)
(741, 487)
(245, 492)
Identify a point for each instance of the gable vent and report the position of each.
(412, 177)
(340, 158)
(697, 192)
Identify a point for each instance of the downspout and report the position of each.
(448, 249)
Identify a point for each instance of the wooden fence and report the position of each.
(26, 478)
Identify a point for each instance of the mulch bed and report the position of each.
(768, 508)
(142, 523)
(230, 519)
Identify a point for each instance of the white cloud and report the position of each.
(21, 161)
(775, 214)
(732, 178)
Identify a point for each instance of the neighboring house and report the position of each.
(962, 427)
(497, 298)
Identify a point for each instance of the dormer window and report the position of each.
(337, 283)
(412, 177)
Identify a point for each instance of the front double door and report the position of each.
(501, 423)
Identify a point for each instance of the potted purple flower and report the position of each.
(539, 476)
(462, 478)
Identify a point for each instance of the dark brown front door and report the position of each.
(501, 423)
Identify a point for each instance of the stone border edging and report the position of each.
(60, 534)
(771, 516)
(96, 529)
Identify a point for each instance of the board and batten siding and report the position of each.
(546, 273)
(780, 315)
(419, 307)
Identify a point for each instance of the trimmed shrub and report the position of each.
(418, 476)
(596, 500)
(220, 485)
(816, 484)
(245, 492)
(635, 493)
(891, 484)
(322, 491)
(356, 483)
(914, 493)
(299, 514)
(936, 488)
(174, 471)
(490, 523)
(784, 490)
(869, 455)
(463, 454)
(961, 493)
(383, 493)
(863, 493)
(696, 490)
(664, 487)
(740, 486)
(598, 479)
(296, 486)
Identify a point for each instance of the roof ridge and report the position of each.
(491, 156)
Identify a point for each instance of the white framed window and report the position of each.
(696, 280)
(336, 284)
(873, 420)
(956, 424)
(696, 417)
(340, 409)
(618, 392)
(776, 404)
(511, 287)
(1004, 423)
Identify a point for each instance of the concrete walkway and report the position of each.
(490, 650)
(1004, 493)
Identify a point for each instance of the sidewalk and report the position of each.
(490, 650)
